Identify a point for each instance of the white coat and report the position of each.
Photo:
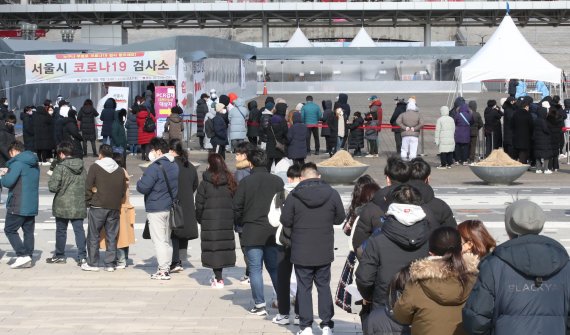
(445, 131)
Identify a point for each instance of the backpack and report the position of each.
(149, 125)
(209, 128)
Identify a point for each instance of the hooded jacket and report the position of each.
(107, 117)
(7, 136)
(282, 235)
(477, 119)
(118, 133)
(541, 138)
(254, 119)
(187, 186)
(459, 101)
(356, 139)
(327, 111)
(343, 101)
(201, 111)
(277, 132)
(297, 138)
(86, 117)
(174, 126)
(311, 113)
(369, 220)
(398, 110)
(105, 185)
(153, 185)
(434, 297)
(264, 124)
(523, 288)
(143, 136)
(70, 133)
(68, 184)
(237, 117)
(376, 110)
(132, 129)
(521, 126)
(310, 211)
(445, 132)
(22, 180)
(390, 249)
(215, 214)
(508, 111)
(463, 121)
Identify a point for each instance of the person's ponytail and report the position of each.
(446, 242)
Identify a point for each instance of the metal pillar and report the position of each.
(427, 35)
(265, 33)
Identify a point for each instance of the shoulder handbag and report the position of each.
(278, 145)
(176, 218)
(149, 125)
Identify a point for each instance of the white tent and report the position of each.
(298, 40)
(362, 40)
(506, 55)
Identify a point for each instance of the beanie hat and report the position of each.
(412, 105)
(270, 99)
(299, 106)
(224, 99)
(281, 108)
(220, 107)
(232, 97)
(269, 106)
(524, 217)
(472, 105)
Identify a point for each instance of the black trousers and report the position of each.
(201, 141)
(553, 163)
(446, 158)
(93, 147)
(315, 132)
(220, 149)
(98, 219)
(284, 270)
(321, 276)
(462, 150)
(177, 245)
(398, 139)
(252, 139)
(522, 155)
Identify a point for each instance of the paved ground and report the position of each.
(62, 299)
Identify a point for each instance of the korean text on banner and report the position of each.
(164, 100)
(121, 96)
(101, 67)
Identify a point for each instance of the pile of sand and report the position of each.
(498, 158)
(341, 159)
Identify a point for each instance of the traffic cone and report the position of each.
(265, 87)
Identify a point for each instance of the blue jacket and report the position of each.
(153, 185)
(521, 89)
(541, 87)
(297, 138)
(221, 131)
(23, 179)
(523, 288)
(238, 120)
(311, 113)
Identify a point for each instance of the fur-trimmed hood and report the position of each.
(439, 283)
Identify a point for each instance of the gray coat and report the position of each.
(238, 121)
(411, 119)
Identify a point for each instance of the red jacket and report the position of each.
(144, 137)
(376, 107)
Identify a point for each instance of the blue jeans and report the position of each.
(133, 148)
(122, 256)
(256, 256)
(12, 224)
(107, 140)
(61, 237)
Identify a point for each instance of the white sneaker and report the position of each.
(369, 156)
(219, 284)
(87, 267)
(22, 262)
(281, 319)
(327, 331)
(120, 267)
(110, 269)
(296, 321)
(306, 331)
(562, 156)
(538, 171)
(547, 172)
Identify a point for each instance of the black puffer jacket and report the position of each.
(521, 126)
(356, 133)
(343, 101)
(215, 214)
(70, 133)
(523, 288)
(311, 210)
(280, 129)
(201, 111)
(400, 108)
(86, 117)
(493, 125)
(368, 222)
(7, 136)
(541, 138)
(508, 111)
(386, 252)
(43, 130)
(438, 211)
(108, 116)
(253, 120)
(327, 111)
(28, 130)
(332, 123)
(187, 185)
(132, 129)
(251, 205)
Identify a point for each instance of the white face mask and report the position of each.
(6, 103)
(152, 156)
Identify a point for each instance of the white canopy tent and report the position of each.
(362, 40)
(298, 40)
(506, 55)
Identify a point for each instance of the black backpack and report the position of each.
(209, 128)
(149, 125)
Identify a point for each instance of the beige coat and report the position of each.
(126, 222)
(410, 119)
